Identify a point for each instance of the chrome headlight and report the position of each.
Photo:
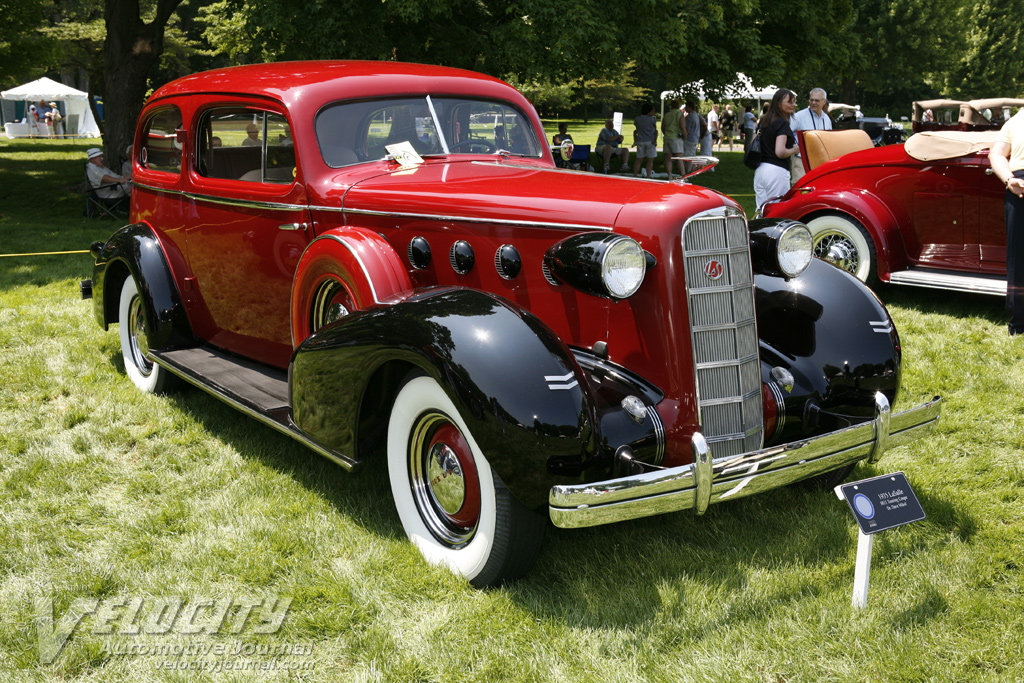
(795, 249)
(780, 246)
(602, 264)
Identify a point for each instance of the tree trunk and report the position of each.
(131, 48)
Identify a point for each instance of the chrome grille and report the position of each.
(723, 330)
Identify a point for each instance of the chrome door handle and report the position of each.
(293, 226)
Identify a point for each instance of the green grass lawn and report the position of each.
(107, 494)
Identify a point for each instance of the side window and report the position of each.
(161, 150)
(245, 144)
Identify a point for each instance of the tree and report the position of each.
(131, 48)
(881, 54)
(22, 47)
(989, 65)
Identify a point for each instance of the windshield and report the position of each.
(356, 132)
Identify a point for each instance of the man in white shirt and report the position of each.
(108, 184)
(811, 118)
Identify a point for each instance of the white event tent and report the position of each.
(78, 118)
(740, 89)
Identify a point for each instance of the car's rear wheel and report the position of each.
(132, 325)
(454, 508)
(843, 241)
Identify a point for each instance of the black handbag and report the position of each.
(752, 157)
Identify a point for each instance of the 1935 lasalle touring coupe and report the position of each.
(363, 254)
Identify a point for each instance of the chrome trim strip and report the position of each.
(951, 281)
(679, 488)
(489, 221)
(780, 403)
(659, 435)
(289, 429)
(440, 133)
(244, 203)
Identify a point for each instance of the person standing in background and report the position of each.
(1007, 160)
(771, 179)
(811, 118)
(749, 126)
(646, 139)
(671, 129)
(727, 127)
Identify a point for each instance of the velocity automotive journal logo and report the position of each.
(132, 626)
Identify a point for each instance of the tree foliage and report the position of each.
(988, 63)
(878, 53)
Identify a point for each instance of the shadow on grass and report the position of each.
(941, 302)
(628, 574)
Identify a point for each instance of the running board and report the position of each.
(259, 391)
(975, 284)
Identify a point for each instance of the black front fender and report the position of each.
(135, 251)
(838, 341)
(516, 385)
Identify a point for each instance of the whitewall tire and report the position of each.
(132, 325)
(453, 507)
(844, 242)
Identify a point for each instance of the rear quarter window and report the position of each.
(161, 150)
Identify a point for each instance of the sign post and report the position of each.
(877, 504)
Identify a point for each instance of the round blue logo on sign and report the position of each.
(864, 506)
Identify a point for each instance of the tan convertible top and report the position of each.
(949, 144)
(970, 112)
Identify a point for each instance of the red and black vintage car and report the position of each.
(383, 258)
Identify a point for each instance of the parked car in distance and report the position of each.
(971, 115)
(881, 129)
(381, 260)
(927, 213)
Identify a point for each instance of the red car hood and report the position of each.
(503, 191)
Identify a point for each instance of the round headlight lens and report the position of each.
(795, 248)
(622, 268)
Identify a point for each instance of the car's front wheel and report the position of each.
(844, 242)
(454, 508)
(143, 372)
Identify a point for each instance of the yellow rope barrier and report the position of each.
(47, 253)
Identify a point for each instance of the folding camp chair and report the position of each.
(97, 206)
(580, 159)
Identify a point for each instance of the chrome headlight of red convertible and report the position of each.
(601, 264)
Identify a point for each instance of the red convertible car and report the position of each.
(381, 260)
(927, 213)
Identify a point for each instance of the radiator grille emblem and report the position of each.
(714, 269)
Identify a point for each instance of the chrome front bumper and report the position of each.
(708, 481)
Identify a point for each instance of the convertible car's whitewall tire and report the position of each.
(843, 241)
(143, 372)
(453, 507)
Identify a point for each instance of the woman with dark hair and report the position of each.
(778, 144)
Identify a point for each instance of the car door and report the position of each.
(250, 225)
(991, 220)
(945, 214)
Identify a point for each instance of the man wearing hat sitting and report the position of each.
(108, 184)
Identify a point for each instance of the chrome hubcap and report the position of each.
(446, 484)
(444, 480)
(138, 341)
(838, 249)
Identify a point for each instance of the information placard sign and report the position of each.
(882, 502)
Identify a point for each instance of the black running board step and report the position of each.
(260, 387)
(257, 390)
